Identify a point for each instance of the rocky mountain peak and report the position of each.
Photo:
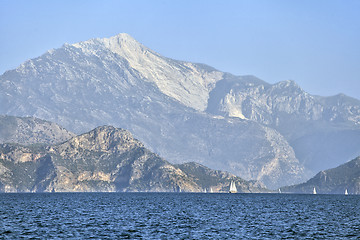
(122, 44)
(124, 36)
(288, 83)
(186, 82)
(288, 87)
(103, 139)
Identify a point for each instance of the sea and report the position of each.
(178, 216)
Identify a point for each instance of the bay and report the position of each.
(178, 216)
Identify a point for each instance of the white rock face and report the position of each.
(183, 81)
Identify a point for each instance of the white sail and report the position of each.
(204, 190)
(346, 192)
(211, 191)
(314, 190)
(232, 187)
(279, 190)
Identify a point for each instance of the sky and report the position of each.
(316, 43)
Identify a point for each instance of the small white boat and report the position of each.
(279, 190)
(314, 190)
(346, 192)
(211, 191)
(233, 188)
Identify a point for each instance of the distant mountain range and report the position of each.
(332, 181)
(187, 112)
(105, 159)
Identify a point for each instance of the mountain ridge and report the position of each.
(184, 111)
(147, 62)
(106, 159)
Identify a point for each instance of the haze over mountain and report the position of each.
(31, 130)
(332, 181)
(104, 159)
(183, 111)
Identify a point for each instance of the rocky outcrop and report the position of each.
(332, 181)
(25, 168)
(30, 130)
(105, 159)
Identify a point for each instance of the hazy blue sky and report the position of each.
(314, 42)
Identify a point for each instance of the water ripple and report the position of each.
(178, 216)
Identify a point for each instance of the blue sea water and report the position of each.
(178, 216)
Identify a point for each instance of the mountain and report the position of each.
(322, 130)
(116, 82)
(332, 181)
(30, 130)
(186, 112)
(104, 159)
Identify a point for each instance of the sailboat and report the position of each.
(211, 191)
(346, 192)
(204, 190)
(314, 190)
(279, 190)
(232, 187)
